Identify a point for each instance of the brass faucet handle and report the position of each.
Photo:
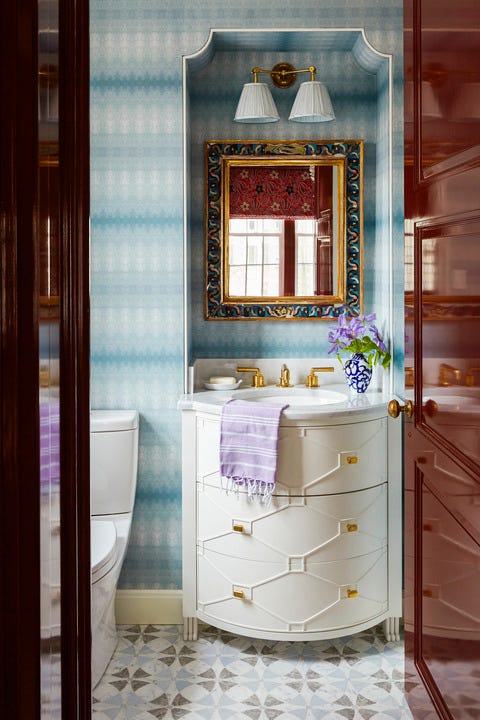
(258, 380)
(448, 375)
(409, 377)
(312, 379)
(471, 374)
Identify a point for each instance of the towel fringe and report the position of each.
(255, 488)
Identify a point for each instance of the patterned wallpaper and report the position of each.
(136, 224)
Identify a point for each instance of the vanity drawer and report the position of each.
(335, 459)
(286, 597)
(311, 460)
(326, 527)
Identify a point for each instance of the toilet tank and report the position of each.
(113, 461)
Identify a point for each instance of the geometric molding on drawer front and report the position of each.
(296, 600)
(318, 460)
(240, 571)
(216, 509)
(296, 531)
(318, 527)
(235, 547)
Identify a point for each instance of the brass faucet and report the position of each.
(409, 377)
(258, 380)
(472, 373)
(448, 375)
(312, 379)
(284, 377)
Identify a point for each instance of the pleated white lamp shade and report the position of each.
(256, 105)
(312, 103)
(430, 106)
(466, 102)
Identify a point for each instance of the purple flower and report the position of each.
(356, 335)
(376, 337)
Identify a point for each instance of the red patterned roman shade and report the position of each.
(284, 193)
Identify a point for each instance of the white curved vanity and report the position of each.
(323, 559)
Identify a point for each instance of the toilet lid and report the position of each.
(103, 536)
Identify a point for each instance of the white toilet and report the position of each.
(113, 479)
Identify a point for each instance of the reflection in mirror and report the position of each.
(280, 240)
(283, 229)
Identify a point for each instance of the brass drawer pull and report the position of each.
(352, 593)
(352, 459)
(238, 528)
(239, 594)
(352, 527)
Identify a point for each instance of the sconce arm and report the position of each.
(283, 74)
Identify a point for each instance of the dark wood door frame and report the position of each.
(74, 82)
(19, 370)
(19, 502)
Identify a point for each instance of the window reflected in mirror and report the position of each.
(268, 257)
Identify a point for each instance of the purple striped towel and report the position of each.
(248, 447)
(49, 443)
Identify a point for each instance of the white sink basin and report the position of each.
(333, 402)
(301, 398)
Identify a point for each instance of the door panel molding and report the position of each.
(442, 450)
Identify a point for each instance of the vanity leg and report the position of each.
(190, 628)
(391, 629)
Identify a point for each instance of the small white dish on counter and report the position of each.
(222, 386)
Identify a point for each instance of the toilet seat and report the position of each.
(103, 537)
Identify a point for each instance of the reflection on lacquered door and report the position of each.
(442, 309)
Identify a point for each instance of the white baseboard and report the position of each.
(148, 607)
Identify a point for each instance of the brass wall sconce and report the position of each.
(312, 102)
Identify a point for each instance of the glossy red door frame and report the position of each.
(442, 468)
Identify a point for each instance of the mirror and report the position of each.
(283, 229)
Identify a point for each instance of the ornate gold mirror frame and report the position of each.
(226, 162)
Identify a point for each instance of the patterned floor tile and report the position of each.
(154, 673)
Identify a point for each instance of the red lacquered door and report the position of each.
(442, 438)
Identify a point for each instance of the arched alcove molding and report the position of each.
(290, 41)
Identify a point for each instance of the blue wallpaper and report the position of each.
(136, 221)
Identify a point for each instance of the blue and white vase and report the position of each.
(358, 373)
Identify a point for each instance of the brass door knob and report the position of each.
(394, 408)
(430, 408)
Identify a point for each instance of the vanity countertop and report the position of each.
(351, 407)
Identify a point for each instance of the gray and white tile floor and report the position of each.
(154, 673)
